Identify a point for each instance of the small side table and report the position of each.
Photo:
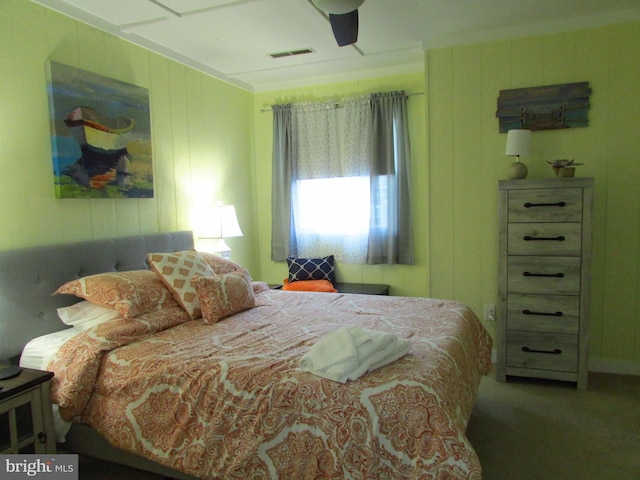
(26, 417)
(361, 288)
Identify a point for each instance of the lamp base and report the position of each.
(518, 170)
(9, 371)
(215, 245)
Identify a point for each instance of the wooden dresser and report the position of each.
(544, 239)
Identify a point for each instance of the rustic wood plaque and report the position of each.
(544, 108)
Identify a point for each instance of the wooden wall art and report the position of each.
(544, 108)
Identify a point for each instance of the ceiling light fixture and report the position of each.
(338, 7)
(343, 16)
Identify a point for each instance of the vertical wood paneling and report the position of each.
(140, 68)
(91, 50)
(104, 222)
(621, 306)
(22, 162)
(164, 179)
(467, 202)
(594, 145)
(231, 150)
(179, 119)
(404, 279)
(496, 72)
(609, 59)
(441, 172)
(30, 35)
(199, 173)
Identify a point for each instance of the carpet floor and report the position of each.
(528, 430)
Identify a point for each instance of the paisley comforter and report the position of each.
(229, 401)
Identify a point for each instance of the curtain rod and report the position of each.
(339, 104)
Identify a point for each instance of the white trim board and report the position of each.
(617, 367)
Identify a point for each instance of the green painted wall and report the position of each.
(466, 159)
(211, 142)
(456, 177)
(200, 127)
(404, 279)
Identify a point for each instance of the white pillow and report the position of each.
(84, 315)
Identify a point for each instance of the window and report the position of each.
(332, 217)
(354, 206)
(342, 211)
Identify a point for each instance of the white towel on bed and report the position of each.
(350, 352)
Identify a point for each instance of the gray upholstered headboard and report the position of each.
(29, 276)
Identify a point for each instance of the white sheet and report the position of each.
(37, 354)
(39, 351)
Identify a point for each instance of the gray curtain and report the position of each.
(391, 228)
(282, 160)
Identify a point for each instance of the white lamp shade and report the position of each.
(518, 143)
(338, 7)
(219, 221)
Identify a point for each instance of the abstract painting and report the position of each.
(100, 135)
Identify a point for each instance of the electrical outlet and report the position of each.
(490, 313)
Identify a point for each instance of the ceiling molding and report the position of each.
(232, 39)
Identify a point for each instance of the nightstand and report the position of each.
(363, 288)
(26, 418)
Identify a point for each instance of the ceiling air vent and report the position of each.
(291, 53)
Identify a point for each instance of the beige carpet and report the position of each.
(530, 430)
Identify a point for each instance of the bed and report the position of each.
(229, 399)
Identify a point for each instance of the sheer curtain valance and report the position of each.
(341, 186)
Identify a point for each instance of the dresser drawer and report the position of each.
(545, 239)
(544, 351)
(543, 313)
(543, 275)
(545, 205)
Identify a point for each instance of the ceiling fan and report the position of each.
(343, 16)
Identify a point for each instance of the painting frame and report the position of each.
(100, 135)
(547, 107)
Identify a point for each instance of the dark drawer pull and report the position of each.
(559, 204)
(529, 238)
(42, 437)
(557, 351)
(548, 314)
(555, 275)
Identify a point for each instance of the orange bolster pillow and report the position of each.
(308, 286)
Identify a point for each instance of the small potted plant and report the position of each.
(563, 167)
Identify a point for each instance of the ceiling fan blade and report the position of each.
(345, 27)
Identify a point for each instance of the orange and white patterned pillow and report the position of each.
(131, 293)
(224, 295)
(176, 271)
(220, 265)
